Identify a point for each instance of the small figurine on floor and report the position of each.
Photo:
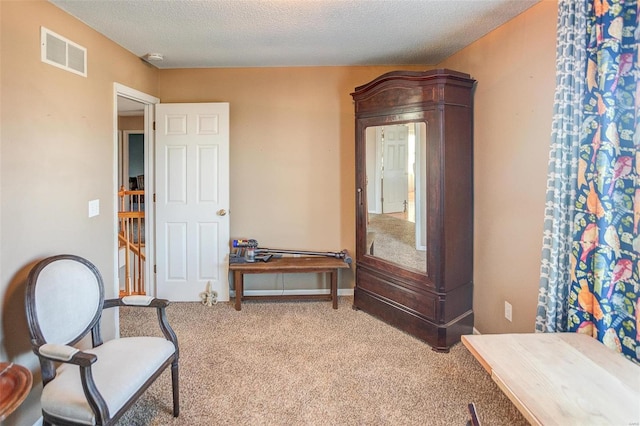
(209, 297)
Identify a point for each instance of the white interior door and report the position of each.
(192, 198)
(373, 138)
(395, 184)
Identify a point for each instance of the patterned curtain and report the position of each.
(571, 55)
(603, 297)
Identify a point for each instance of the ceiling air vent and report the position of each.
(62, 53)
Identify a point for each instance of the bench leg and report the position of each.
(334, 288)
(238, 283)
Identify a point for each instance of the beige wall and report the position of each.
(292, 156)
(57, 153)
(515, 69)
(129, 122)
(292, 153)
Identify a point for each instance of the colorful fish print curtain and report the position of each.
(603, 297)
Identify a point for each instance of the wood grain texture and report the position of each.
(291, 264)
(436, 306)
(561, 378)
(15, 384)
(311, 264)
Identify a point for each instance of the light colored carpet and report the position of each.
(303, 363)
(395, 240)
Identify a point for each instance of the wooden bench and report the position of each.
(561, 378)
(288, 265)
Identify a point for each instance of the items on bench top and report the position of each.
(246, 250)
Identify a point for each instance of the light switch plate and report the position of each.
(94, 208)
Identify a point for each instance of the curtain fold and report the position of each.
(563, 166)
(590, 278)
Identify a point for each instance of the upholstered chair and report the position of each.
(94, 386)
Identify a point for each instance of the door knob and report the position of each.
(222, 212)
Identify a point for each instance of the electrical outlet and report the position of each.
(94, 208)
(507, 310)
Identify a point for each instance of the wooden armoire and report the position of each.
(414, 203)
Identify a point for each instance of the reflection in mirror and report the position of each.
(396, 194)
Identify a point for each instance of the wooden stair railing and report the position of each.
(131, 239)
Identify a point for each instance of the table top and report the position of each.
(561, 378)
(304, 263)
(15, 385)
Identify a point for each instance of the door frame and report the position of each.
(149, 103)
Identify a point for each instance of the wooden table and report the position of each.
(561, 378)
(15, 385)
(287, 265)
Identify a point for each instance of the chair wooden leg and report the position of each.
(474, 421)
(176, 390)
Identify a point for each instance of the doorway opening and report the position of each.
(134, 217)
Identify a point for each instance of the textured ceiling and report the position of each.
(265, 33)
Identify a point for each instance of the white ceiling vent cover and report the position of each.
(62, 53)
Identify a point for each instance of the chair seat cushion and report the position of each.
(122, 367)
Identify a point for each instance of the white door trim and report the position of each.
(420, 180)
(149, 111)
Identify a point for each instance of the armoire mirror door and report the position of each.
(414, 210)
(395, 194)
